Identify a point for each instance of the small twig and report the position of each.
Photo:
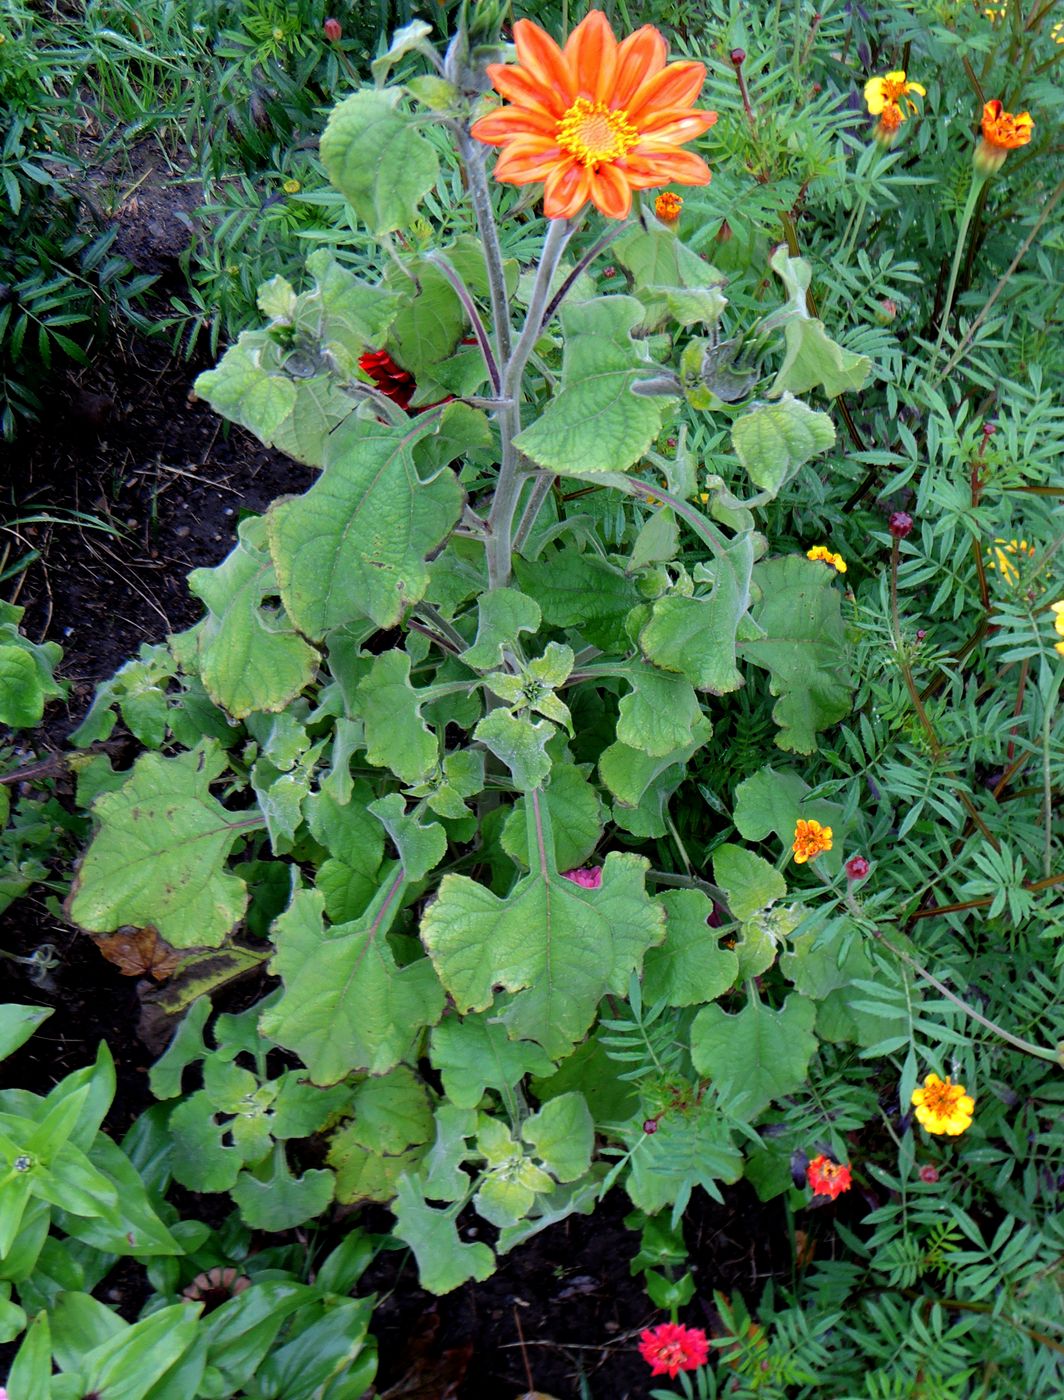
(580, 267)
(465, 296)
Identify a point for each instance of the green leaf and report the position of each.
(557, 946)
(812, 357)
(697, 636)
(563, 1135)
(420, 848)
(595, 423)
(396, 735)
(355, 544)
(201, 1160)
(690, 1148)
(18, 1023)
(774, 439)
(405, 40)
(755, 1056)
(660, 713)
(377, 159)
(248, 657)
(771, 801)
(30, 1377)
(444, 1262)
(690, 967)
(520, 744)
(749, 883)
(576, 819)
(581, 591)
(474, 1054)
(628, 773)
(127, 1365)
(346, 1004)
(21, 696)
(158, 856)
(503, 614)
(803, 647)
(657, 258)
(391, 1123)
(349, 878)
(279, 1200)
(443, 1179)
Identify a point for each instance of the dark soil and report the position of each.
(127, 443)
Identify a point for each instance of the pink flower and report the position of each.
(671, 1348)
(588, 878)
(857, 868)
(929, 1174)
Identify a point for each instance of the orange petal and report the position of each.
(675, 86)
(610, 192)
(678, 124)
(499, 127)
(591, 51)
(520, 87)
(527, 159)
(565, 190)
(541, 56)
(639, 57)
(644, 170)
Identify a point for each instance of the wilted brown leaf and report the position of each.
(138, 952)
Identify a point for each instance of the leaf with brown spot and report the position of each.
(140, 952)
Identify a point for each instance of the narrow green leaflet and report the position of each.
(755, 1056)
(773, 440)
(563, 1135)
(377, 159)
(748, 881)
(443, 1261)
(690, 967)
(17, 1024)
(697, 636)
(596, 423)
(346, 1004)
(474, 1054)
(158, 856)
(396, 735)
(248, 656)
(803, 647)
(691, 1147)
(520, 744)
(559, 947)
(660, 713)
(503, 614)
(576, 818)
(355, 544)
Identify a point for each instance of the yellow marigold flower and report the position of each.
(1058, 621)
(291, 187)
(820, 554)
(810, 840)
(892, 91)
(995, 14)
(999, 557)
(667, 206)
(943, 1107)
(1057, 33)
(1002, 133)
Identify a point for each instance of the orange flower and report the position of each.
(890, 120)
(810, 839)
(596, 120)
(667, 206)
(828, 1178)
(1002, 132)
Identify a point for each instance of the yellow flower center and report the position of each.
(942, 1098)
(594, 134)
(893, 88)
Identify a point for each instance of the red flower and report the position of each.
(827, 1178)
(857, 868)
(671, 1348)
(588, 878)
(394, 383)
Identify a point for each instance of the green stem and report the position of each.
(978, 181)
(473, 158)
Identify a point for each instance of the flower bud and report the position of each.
(921, 633)
(650, 1126)
(609, 271)
(900, 524)
(333, 32)
(929, 1174)
(887, 312)
(738, 57)
(857, 868)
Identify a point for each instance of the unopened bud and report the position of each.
(738, 57)
(900, 524)
(887, 312)
(650, 1126)
(920, 634)
(929, 1174)
(724, 233)
(857, 868)
(610, 271)
(332, 31)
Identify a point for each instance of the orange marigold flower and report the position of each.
(670, 1348)
(890, 119)
(828, 1178)
(595, 120)
(810, 839)
(1002, 132)
(892, 91)
(667, 206)
(943, 1107)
